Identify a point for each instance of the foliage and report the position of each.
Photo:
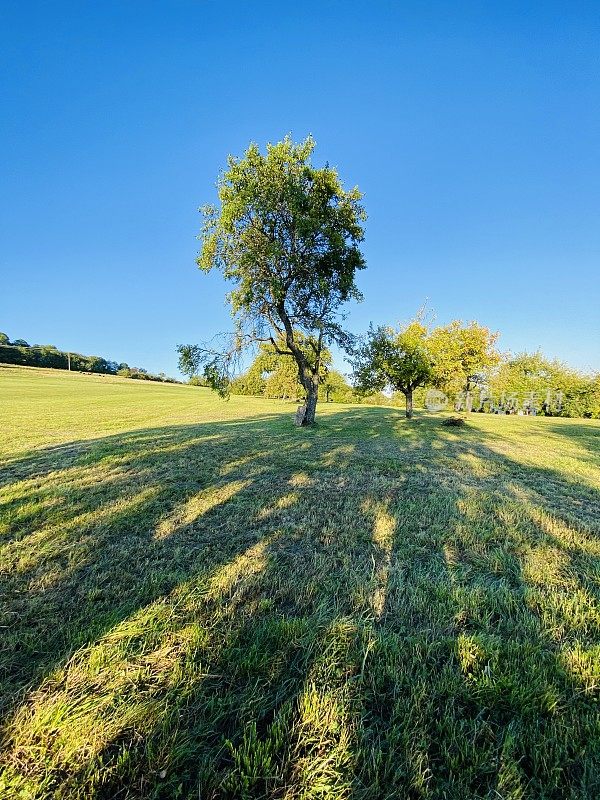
(4, 338)
(283, 382)
(462, 354)
(396, 359)
(287, 235)
(196, 603)
(198, 380)
(250, 382)
(33, 356)
(336, 389)
(534, 373)
(139, 374)
(274, 374)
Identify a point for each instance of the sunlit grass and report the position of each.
(199, 600)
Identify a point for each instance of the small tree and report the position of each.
(287, 235)
(4, 339)
(394, 359)
(336, 388)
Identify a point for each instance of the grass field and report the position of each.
(201, 601)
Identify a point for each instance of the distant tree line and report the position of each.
(139, 374)
(24, 354)
(534, 373)
(397, 367)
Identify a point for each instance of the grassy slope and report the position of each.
(201, 601)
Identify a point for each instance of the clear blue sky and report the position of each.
(472, 128)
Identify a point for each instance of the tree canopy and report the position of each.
(534, 374)
(461, 355)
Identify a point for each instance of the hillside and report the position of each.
(200, 600)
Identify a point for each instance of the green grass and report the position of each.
(201, 601)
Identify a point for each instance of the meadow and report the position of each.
(200, 600)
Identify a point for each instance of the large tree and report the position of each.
(287, 235)
(394, 359)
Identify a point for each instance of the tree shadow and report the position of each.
(376, 607)
(83, 547)
(485, 673)
(585, 435)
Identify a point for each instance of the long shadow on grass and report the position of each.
(250, 610)
(585, 435)
(95, 530)
(487, 657)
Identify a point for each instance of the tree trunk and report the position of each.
(409, 403)
(311, 403)
(305, 415)
(307, 375)
(468, 398)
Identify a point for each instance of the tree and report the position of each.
(396, 359)
(287, 235)
(4, 338)
(48, 356)
(461, 355)
(197, 380)
(336, 388)
(20, 343)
